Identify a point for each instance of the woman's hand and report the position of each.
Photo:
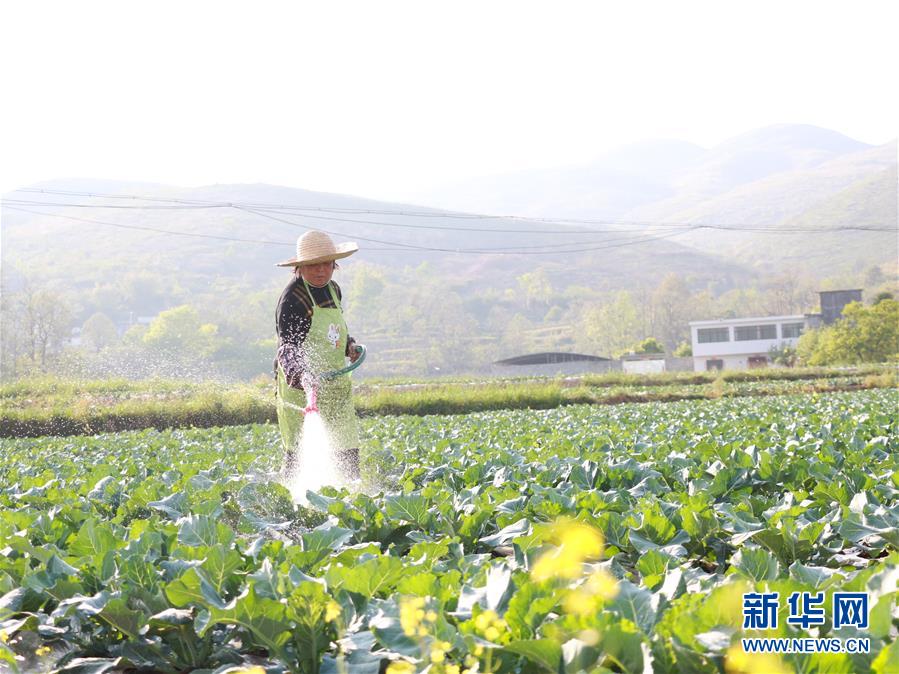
(351, 351)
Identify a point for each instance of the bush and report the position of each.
(862, 335)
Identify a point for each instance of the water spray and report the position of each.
(312, 388)
(316, 445)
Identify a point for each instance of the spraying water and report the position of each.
(316, 465)
(317, 462)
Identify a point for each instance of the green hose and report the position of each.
(360, 349)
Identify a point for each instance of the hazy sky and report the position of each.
(387, 99)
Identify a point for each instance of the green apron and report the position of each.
(324, 350)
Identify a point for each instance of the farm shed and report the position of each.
(551, 363)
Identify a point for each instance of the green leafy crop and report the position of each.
(584, 538)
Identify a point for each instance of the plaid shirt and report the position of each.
(293, 319)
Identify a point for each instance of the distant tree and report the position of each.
(881, 296)
(536, 286)
(671, 302)
(610, 328)
(741, 302)
(808, 345)
(179, 331)
(517, 337)
(648, 345)
(784, 355)
(863, 335)
(787, 294)
(368, 284)
(144, 293)
(12, 337)
(47, 325)
(554, 314)
(684, 350)
(107, 298)
(98, 332)
(451, 335)
(874, 276)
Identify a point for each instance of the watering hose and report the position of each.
(360, 349)
(313, 406)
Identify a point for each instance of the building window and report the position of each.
(709, 335)
(791, 330)
(714, 364)
(746, 333)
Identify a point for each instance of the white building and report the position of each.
(644, 363)
(654, 363)
(742, 343)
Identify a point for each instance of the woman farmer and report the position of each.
(313, 339)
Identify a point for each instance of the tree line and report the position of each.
(415, 322)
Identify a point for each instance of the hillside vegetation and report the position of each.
(435, 292)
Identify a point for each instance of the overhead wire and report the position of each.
(393, 246)
(452, 214)
(663, 229)
(68, 204)
(151, 229)
(492, 251)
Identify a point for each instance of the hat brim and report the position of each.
(343, 250)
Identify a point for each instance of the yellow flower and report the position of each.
(431, 616)
(490, 625)
(332, 611)
(437, 656)
(579, 602)
(43, 650)
(602, 584)
(483, 621)
(451, 669)
(411, 615)
(589, 636)
(581, 539)
(4, 636)
(738, 661)
(255, 669)
(400, 667)
(577, 542)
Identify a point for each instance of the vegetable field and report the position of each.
(583, 538)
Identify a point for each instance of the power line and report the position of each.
(278, 208)
(491, 251)
(69, 204)
(402, 247)
(197, 203)
(151, 229)
(685, 226)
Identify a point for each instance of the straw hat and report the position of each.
(314, 247)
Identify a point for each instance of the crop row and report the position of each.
(50, 407)
(576, 539)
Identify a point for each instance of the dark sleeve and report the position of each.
(293, 319)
